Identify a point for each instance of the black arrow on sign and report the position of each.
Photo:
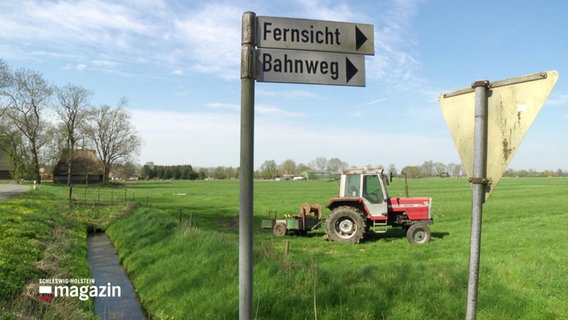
(360, 38)
(350, 69)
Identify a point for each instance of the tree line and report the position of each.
(270, 169)
(176, 172)
(39, 120)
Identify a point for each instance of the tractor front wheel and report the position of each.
(345, 224)
(418, 233)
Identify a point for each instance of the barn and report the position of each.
(85, 168)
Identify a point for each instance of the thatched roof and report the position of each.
(85, 162)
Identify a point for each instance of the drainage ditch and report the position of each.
(107, 271)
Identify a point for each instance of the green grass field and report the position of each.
(189, 270)
(383, 278)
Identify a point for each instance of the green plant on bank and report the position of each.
(41, 237)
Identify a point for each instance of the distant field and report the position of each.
(524, 227)
(189, 270)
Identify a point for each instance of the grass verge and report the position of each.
(42, 238)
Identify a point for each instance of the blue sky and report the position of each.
(177, 62)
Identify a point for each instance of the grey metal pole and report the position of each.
(479, 182)
(246, 166)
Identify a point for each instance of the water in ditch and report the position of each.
(107, 271)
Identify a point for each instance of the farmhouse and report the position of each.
(85, 167)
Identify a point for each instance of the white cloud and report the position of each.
(278, 112)
(377, 101)
(293, 94)
(202, 37)
(324, 10)
(212, 139)
(115, 36)
(200, 139)
(394, 60)
(212, 35)
(87, 22)
(228, 106)
(354, 145)
(560, 99)
(260, 109)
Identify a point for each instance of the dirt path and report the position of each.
(106, 268)
(10, 190)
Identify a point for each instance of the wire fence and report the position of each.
(101, 195)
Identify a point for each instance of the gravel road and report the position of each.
(10, 190)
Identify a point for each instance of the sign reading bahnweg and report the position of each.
(293, 66)
(315, 35)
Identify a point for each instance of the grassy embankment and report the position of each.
(41, 237)
(187, 272)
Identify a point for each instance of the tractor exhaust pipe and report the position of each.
(405, 184)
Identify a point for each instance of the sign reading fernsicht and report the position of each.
(293, 66)
(315, 35)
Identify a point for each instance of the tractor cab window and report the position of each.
(372, 190)
(352, 185)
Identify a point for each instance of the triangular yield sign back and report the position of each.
(512, 107)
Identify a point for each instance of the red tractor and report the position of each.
(364, 203)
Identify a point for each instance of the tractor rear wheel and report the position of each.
(418, 233)
(345, 224)
(279, 229)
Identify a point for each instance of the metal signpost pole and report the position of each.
(280, 64)
(246, 166)
(479, 182)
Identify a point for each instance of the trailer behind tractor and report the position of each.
(309, 219)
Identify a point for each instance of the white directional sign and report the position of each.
(512, 107)
(315, 35)
(293, 66)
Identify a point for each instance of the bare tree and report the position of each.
(392, 170)
(440, 169)
(27, 95)
(454, 169)
(288, 167)
(17, 159)
(5, 76)
(73, 103)
(113, 135)
(319, 163)
(335, 165)
(411, 171)
(427, 169)
(268, 169)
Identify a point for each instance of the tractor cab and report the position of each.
(369, 186)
